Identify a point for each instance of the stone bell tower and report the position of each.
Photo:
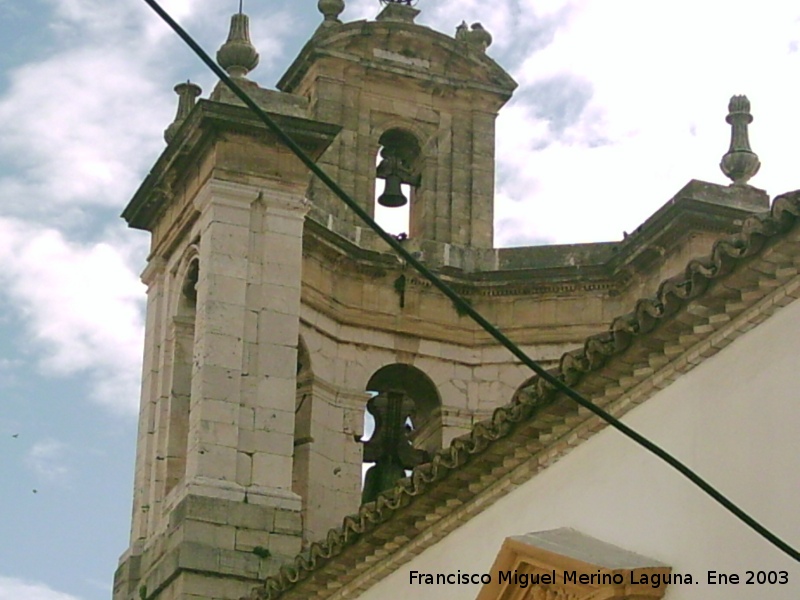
(417, 109)
(273, 317)
(424, 100)
(213, 508)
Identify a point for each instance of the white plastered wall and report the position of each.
(735, 419)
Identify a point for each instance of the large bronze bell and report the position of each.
(392, 195)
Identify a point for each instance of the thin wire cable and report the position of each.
(464, 306)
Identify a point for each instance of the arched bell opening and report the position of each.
(402, 426)
(183, 334)
(397, 177)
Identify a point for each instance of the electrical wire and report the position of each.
(463, 306)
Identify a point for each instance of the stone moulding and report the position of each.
(539, 416)
(334, 41)
(698, 207)
(204, 126)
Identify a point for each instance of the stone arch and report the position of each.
(406, 408)
(406, 143)
(422, 391)
(185, 276)
(421, 132)
(399, 163)
(183, 328)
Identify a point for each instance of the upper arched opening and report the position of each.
(397, 177)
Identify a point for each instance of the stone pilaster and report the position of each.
(232, 517)
(328, 463)
(241, 436)
(152, 369)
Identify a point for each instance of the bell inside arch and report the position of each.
(392, 195)
(395, 173)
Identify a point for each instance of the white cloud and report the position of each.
(107, 20)
(82, 138)
(47, 458)
(81, 126)
(269, 32)
(659, 78)
(8, 372)
(82, 304)
(84, 123)
(18, 589)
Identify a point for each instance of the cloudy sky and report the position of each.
(620, 103)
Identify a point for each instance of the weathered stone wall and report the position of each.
(213, 503)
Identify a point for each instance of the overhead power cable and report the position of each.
(463, 306)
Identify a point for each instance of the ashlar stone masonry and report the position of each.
(273, 314)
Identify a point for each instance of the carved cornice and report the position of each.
(335, 42)
(208, 124)
(558, 269)
(153, 271)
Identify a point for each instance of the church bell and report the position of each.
(392, 171)
(392, 195)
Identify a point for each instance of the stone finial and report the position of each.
(479, 37)
(331, 9)
(462, 32)
(740, 163)
(238, 56)
(399, 11)
(187, 94)
(475, 36)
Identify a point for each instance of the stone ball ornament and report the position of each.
(331, 9)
